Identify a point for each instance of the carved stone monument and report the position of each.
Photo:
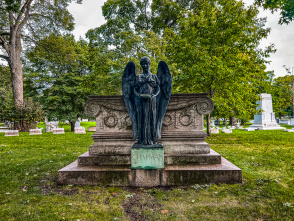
(188, 159)
(265, 120)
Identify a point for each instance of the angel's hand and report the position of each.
(145, 96)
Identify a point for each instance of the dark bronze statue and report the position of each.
(146, 96)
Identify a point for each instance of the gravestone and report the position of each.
(212, 123)
(292, 121)
(78, 129)
(10, 133)
(92, 129)
(35, 131)
(188, 159)
(265, 120)
(284, 121)
(214, 131)
(58, 131)
(50, 126)
(227, 131)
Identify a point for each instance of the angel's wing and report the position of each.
(128, 94)
(165, 79)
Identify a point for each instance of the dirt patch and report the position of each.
(141, 206)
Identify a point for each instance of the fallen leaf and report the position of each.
(25, 188)
(63, 214)
(129, 196)
(29, 213)
(7, 193)
(70, 204)
(164, 211)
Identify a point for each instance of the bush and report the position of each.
(23, 116)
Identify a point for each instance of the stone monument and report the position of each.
(78, 129)
(173, 153)
(50, 126)
(265, 120)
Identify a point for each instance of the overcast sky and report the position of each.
(89, 15)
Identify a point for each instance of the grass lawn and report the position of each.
(29, 190)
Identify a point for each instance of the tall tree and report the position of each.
(55, 73)
(286, 7)
(25, 21)
(215, 49)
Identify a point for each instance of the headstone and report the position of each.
(227, 131)
(284, 121)
(35, 131)
(58, 131)
(77, 124)
(216, 122)
(265, 120)
(249, 129)
(212, 123)
(92, 129)
(85, 120)
(46, 120)
(4, 129)
(238, 125)
(292, 122)
(50, 126)
(214, 131)
(80, 130)
(289, 130)
(9, 133)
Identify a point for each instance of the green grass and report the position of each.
(29, 190)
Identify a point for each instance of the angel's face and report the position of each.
(145, 66)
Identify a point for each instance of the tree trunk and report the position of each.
(72, 126)
(233, 121)
(16, 69)
(208, 124)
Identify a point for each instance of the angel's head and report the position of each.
(145, 63)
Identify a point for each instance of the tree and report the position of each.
(215, 49)
(133, 29)
(282, 94)
(286, 7)
(26, 21)
(5, 92)
(55, 72)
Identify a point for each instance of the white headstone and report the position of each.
(265, 120)
(50, 126)
(212, 123)
(77, 124)
(292, 122)
(58, 131)
(227, 131)
(214, 131)
(10, 133)
(80, 130)
(289, 130)
(35, 131)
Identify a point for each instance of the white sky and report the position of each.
(89, 15)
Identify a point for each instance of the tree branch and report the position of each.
(27, 15)
(44, 16)
(5, 57)
(3, 42)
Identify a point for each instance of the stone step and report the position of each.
(225, 172)
(169, 159)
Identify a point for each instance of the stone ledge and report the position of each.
(225, 172)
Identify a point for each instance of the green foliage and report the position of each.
(5, 90)
(55, 73)
(24, 116)
(282, 94)
(216, 51)
(286, 7)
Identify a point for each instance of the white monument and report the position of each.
(265, 120)
(79, 129)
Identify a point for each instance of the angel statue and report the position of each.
(146, 97)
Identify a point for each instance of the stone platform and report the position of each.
(188, 159)
(173, 175)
